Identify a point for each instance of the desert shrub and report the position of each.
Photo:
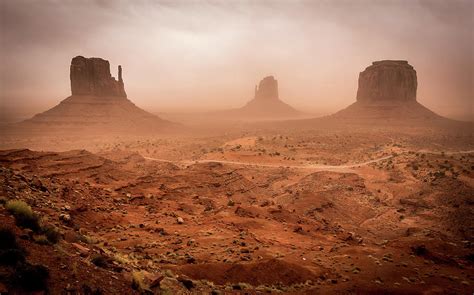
(51, 233)
(87, 239)
(42, 240)
(17, 207)
(99, 260)
(24, 216)
(138, 283)
(31, 277)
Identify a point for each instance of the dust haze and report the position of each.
(236, 147)
(184, 56)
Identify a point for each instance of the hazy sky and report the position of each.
(209, 54)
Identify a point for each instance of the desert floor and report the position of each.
(301, 211)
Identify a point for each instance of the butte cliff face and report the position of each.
(387, 90)
(387, 81)
(91, 76)
(97, 101)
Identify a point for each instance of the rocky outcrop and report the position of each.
(267, 89)
(91, 76)
(98, 103)
(387, 81)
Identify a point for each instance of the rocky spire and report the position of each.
(120, 73)
(387, 81)
(91, 76)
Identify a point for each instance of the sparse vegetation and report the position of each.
(51, 233)
(24, 215)
(42, 240)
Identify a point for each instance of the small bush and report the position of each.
(24, 216)
(87, 239)
(52, 234)
(17, 207)
(42, 240)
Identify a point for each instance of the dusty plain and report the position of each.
(255, 210)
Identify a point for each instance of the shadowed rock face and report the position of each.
(387, 81)
(91, 76)
(267, 88)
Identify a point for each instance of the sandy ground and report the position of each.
(264, 211)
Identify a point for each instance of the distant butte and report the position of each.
(266, 103)
(267, 89)
(387, 90)
(97, 100)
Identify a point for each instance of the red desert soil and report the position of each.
(328, 212)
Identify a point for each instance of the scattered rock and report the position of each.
(84, 251)
(65, 217)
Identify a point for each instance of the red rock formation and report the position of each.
(91, 76)
(267, 88)
(387, 92)
(98, 102)
(387, 81)
(266, 103)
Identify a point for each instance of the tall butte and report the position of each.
(91, 76)
(387, 90)
(266, 102)
(97, 100)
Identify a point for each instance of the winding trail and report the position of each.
(345, 167)
(307, 166)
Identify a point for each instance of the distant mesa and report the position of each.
(266, 103)
(387, 90)
(97, 100)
